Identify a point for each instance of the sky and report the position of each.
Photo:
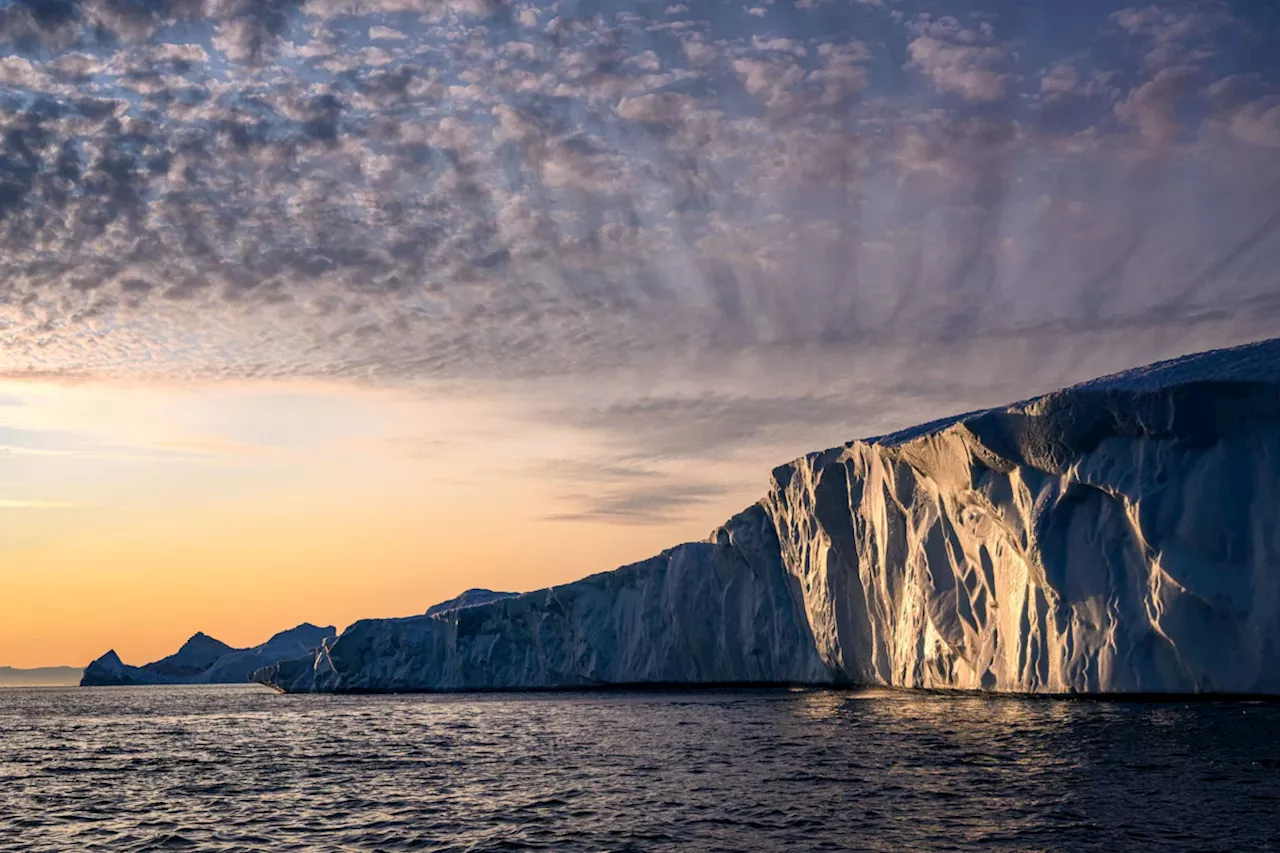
(331, 309)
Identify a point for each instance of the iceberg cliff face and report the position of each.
(1118, 536)
(1092, 541)
(700, 613)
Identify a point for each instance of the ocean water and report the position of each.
(242, 768)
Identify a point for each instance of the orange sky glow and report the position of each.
(133, 516)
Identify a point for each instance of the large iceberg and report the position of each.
(204, 660)
(1118, 536)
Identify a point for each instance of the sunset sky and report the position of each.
(331, 309)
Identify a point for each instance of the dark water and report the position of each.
(240, 768)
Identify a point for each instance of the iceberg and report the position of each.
(204, 660)
(196, 655)
(700, 613)
(1119, 536)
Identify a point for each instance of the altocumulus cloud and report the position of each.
(482, 190)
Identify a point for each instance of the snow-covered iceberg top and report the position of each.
(1121, 535)
(470, 598)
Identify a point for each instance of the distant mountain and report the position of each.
(204, 660)
(45, 676)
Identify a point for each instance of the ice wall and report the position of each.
(705, 612)
(1095, 540)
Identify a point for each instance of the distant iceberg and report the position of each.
(1119, 536)
(204, 660)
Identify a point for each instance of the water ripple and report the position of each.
(243, 769)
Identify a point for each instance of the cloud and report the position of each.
(769, 79)
(699, 246)
(1152, 107)
(1248, 108)
(646, 505)
(495, 191)
(657, 107)
(961, 67)
(22, 503)
(699, 52)
(244, 29)
(1077, 78)
(1062, 78)
(1170, 24)
(215, 446)
(604, 491)
(670, 427)
(1177, 33)
(67, 444)
(1257, 122)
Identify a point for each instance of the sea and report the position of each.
(241, 768)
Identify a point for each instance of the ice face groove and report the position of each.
(1118, 536)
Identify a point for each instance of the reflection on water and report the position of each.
(239, 768)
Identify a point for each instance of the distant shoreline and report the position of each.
(44, 676)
